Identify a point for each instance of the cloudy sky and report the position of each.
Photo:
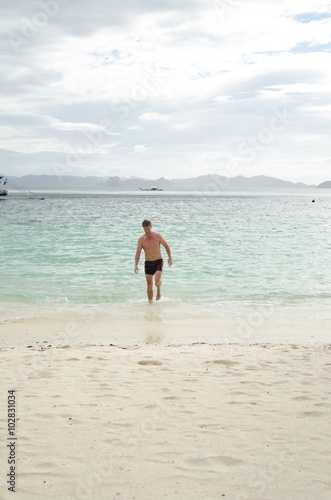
(173, 88)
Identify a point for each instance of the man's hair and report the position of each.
(146, 223)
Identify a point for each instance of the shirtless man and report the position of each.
(151, 242)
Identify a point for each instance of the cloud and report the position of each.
(153, 117)
(75, 126)
(140, 148)
(192, 79)
(83, 127)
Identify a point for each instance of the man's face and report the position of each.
(148, 230)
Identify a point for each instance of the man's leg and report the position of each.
(158, 284)
(149, 279)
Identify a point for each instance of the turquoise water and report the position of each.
(75, 253)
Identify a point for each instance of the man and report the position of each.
(151, 242)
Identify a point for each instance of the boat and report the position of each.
(152, 188)
(21, 189)
(3, 192)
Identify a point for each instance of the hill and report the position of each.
(325, 185)
(206, 183)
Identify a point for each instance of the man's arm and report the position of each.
(166, 246)
(138, 252)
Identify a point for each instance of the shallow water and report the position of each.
(233, 254)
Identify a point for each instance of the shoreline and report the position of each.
(75, 330)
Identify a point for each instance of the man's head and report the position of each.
(147, 225)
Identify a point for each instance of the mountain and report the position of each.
(55, 181)
(206, 183)
(326, 184)
(262, 182)
(214, 182)
(203, 182)
(136, 183)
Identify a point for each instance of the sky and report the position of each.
(166, 88)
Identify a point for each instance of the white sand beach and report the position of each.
(151, 419)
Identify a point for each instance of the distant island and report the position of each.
(207, 183)
(325, 185)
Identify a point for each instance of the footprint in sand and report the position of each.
(145, 363)
(215, 461)
(225, 362)
(311, 414)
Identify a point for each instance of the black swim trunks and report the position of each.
(151, 266)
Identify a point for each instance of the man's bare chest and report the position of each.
(149, 244)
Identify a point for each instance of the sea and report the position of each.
(239, 258)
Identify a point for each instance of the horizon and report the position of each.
(122, 178)
(166, 89)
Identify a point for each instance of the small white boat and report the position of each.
(152, 188)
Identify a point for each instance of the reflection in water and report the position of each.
(153, 326)
(154, 338)
(153, 315)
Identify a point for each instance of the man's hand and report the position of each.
(136, 270)
(170, 261)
